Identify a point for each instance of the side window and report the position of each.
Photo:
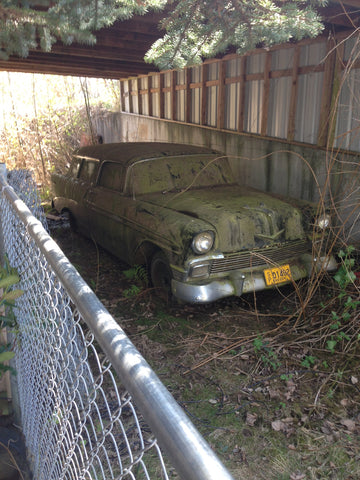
(75, 167)
(112, 176)
(88, 170)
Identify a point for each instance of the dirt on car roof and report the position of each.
(125, 152)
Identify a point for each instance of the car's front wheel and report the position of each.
(161, 275)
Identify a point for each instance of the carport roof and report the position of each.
(120, 49)
(119, 52)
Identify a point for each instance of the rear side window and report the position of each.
(88, 170)
(75, 167)
(112, 176)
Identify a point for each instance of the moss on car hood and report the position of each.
(243, 218)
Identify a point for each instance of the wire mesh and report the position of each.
(78, 420)
(25, 186)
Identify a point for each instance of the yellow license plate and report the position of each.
(276, 275)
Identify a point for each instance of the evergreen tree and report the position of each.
(197, 29)
(26, 24)
(194, 29)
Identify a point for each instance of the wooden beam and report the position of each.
(76, 66)
(344, 14)
(348, 3)
(122, 50)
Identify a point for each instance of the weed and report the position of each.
(308, 361)
(345, 275)
(330, 345)
(348, 301)
(137, 273)
(132, 291)
(139, 276)
(8, 278)
(266, 354)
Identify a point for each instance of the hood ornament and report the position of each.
(272, 238)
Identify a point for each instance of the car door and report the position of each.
(72, 178)
(79, 188)
(109, 211)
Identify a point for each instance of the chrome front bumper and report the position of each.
(239, 282)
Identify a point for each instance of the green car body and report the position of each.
(178, 209)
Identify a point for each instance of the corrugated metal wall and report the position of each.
(285, 93)
(196, 95)
(347, 134)
(280, 94)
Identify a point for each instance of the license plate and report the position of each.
(276, 275)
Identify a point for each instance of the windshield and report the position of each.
(169, 174)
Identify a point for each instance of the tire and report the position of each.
(161, 275)
(69, 219)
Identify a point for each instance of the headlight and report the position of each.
(203, 242)
(323, 221)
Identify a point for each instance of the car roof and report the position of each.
(129, 152)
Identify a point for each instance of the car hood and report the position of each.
(242, 217)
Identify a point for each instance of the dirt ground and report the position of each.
(271, 400)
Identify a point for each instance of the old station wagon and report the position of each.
(178, 209)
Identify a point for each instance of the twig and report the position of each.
(235, 345)
(14, 463)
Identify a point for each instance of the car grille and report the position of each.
(263, 256)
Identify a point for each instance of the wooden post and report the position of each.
(221, 96)
(131, 101)
(294, 94)
(149, 95)
(204, 73)
(241, 106)
(161, 95)
(325, 109)
(122, 96)
(336, 88)
(265, 105)
(5, 385)
(173, 95)
(138, 95)
(187, 95)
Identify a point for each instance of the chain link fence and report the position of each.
(91, 407)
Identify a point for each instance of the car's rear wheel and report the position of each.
(69, 219)
(161, 275)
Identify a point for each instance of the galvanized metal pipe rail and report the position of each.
(189, 453)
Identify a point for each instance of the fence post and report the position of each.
(5, 387)
(2, 253)
(8, 382)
